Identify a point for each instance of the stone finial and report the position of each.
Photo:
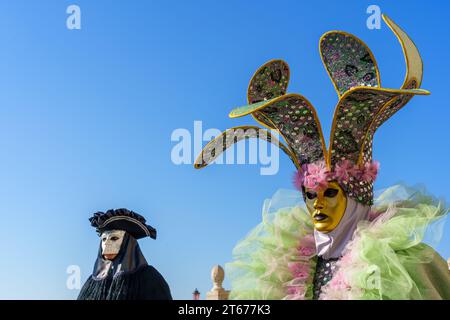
(217, 292)
(217, 276)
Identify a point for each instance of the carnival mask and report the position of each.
(111, 243)
(326, 206)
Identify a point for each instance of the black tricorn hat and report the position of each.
(123, 219)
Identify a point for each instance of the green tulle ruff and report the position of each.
(386, 258)
(260, 269)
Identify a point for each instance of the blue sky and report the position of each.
(86, 118)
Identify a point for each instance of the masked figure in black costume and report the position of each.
(121, 271)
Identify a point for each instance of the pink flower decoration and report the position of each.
(316, 176)
(318, 169)
(370, 171)
(308, 241)
(292, 290)
(298, 180)
(299, 270)
(296, 293)
(306, 251)
(341, 170)
(311, 182)
(307, 246)
(355, 172)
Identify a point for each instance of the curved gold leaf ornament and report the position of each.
(363, 106)
(414, 64)
(232, 136)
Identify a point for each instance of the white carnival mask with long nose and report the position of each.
(111, 243)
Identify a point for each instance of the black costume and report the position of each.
(127, 276)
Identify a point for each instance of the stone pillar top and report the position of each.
(217, 292)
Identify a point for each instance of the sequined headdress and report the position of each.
(362, 108)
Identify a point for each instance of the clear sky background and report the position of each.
(86, 118)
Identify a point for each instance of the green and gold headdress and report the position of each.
(362, 108)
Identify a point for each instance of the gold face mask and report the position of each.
(326, 206)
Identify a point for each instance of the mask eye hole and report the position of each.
(114, 238)
(331, 193)
(311, 195)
